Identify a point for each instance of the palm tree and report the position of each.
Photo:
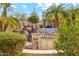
(9, 24)
(71, 14)
(66, 16)
(74, 12)
(56, 11)
(5, 7)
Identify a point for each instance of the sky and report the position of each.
(27, 8)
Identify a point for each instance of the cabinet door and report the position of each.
(46, 44)
(49, 44)
(43, 44)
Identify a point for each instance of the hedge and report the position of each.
(11, 43)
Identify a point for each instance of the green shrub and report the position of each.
(11, 43)
(68, 38)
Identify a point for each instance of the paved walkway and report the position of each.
(39, 51)
(31, 51)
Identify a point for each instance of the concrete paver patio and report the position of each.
(28, 50)
(39, 51)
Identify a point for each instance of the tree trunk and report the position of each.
(73, 17)
(5, 12)
(56, 25)
(68, 21)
